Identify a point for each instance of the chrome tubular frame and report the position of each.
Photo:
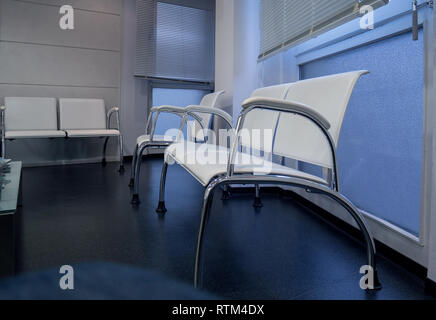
(288, 181)
(140, 149)
(240, 125)
(3, 128)
(331, 191)
(190, 112)
(110, 113)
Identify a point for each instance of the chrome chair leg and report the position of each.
(226, 193)
(121, 149)
(207, 203)
(135, 197)
(295, 182)
(161, 209)
(257, 200)
(104, 162)
(132, 171)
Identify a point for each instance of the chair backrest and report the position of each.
(297, 137)
(82, 114)
(211, 100)
(261, 120)
(23, 114)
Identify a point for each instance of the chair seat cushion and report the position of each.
(35, 134)
(92, 133)
(206, 161)
(157, 138)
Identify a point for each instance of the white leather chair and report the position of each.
(29, 118)
(307, 124)
(203, 116)
(87, 118)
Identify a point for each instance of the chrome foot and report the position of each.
(132, 183)
(161, 209)
(226, 195)
(257, 202)
(135, 200)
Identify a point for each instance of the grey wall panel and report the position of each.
(35, 23)
(37, 64)
(102, 6)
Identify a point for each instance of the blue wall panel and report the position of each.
(381, 143)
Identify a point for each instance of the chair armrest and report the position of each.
(2, 119)
(109, 116)
(208, 110)
(151, 123)
(168, 109)
(3, 130)
(287, 106)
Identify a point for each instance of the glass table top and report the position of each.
(9, 187)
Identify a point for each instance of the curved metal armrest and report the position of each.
(2, 119)
(151, 124)
(287, 106)
(213, 111)
(168, 109)
(109, 116)
(3, 130)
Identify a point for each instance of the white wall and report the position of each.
(237, 49)
(224, 50)
(134, 91)
(246, 51)
(37, 58)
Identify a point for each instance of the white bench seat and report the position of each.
(34, 134)
(92, 133)
(146, 138)
(245, 164)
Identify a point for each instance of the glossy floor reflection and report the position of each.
(82, 213)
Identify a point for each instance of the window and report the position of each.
(288, 22)
(175, 40)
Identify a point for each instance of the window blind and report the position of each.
(284, 23)
(175, 40)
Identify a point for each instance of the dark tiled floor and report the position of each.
(75, 214)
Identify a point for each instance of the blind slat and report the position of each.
(175, 41)
(288, 22)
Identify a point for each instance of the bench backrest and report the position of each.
(82, 114)
(258, 121)
(211, 100)
(299, 138)
(27, 114)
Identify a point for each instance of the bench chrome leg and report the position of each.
(3, 148)
(103, 162)
(226, 193)
(207, 203)
(135, 197)
(161, 209)
(257, 200)
(289, 181)
(132, 171)
(121, 147)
